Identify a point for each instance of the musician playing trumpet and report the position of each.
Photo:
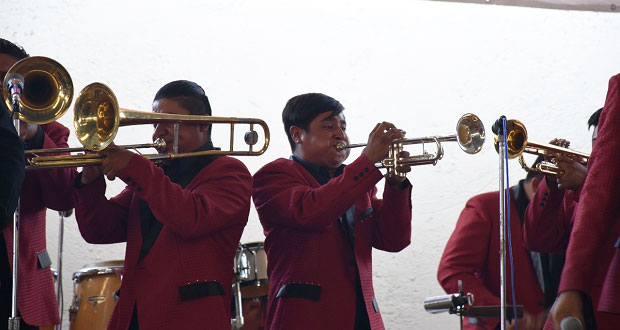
(322, 218)
(182, 222)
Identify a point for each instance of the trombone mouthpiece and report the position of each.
(341, 146)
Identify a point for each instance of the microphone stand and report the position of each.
(498, 129)
(59, 293)
(15, 84)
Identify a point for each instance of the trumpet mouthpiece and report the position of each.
(340, 146)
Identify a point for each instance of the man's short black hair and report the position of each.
(189, 95)
(593, 121)
(301, 110)
(9, 48)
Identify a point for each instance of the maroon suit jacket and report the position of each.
(549, 218)
(597, 220)
(202, 224)
(472, 255)
(305, 243)
(41, 189)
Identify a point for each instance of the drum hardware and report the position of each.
(470, 136)
(250, 270)
(517, 143)
(97, 118)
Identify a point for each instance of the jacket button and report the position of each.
(355, 178)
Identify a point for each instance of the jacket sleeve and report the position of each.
(283, 197)
(100, 220)
(56, 184)
(596, 220)
(11, 168)
(549, 219)
(217, 198)
(392, 228)
(465, 255)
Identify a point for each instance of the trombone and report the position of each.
(97, 118)
(470, 136)
(517, 144)
(48, 89)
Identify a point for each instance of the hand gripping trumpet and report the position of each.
(469, 135)
(517, 143)
(97, 118)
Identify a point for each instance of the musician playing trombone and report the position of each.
(549, 218)
(41, 189)
(182, 222)
(322, 219)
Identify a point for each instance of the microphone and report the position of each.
(447, 303)
(498, 126)
(15, 83)
(571, 323)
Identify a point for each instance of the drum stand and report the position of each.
(59, 293)
(15, 84)
(241, 263)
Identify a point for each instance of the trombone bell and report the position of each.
(48, 90)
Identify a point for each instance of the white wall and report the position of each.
(415, 63)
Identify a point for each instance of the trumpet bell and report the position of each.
(516, 138)
(470, 133)
(96, 116)
(48, 89)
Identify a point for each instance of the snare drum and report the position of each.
(94, 289)
(251, 270)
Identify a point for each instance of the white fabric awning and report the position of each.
(590, 5)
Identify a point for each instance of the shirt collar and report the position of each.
(320, 173)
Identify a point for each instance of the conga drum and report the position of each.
(94, 295)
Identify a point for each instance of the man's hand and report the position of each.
(27, 131)
(380, 139)
(568, 303)
(115, 161)
(574, 173)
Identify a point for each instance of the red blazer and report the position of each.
(549, 218)
(472, 255)
(597, 219)
(306, 245)
(42, 189)
(202, 224)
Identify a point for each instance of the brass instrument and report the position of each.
(97, 118)
(517, 144)
(48, 89)
(470, 136)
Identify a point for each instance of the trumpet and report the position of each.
(48, 89)
(470, 136)
(517, 144)
(97, 118)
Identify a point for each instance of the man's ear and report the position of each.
(296, 134)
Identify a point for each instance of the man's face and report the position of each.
(317, 145)
(6, 62)
(594, 134)
(191, 136)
